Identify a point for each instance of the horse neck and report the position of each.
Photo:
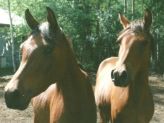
(139, 86)
(70, 85)
(70, 77)
(143, 74)
(71, 89)
(141, 78)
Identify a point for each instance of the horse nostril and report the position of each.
(15, 93)
(112, 74)
(119, 78)
(124, 76)
(10, 96)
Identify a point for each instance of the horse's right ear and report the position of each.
(147, 19)
(32, 23)
(123, 20)
(52, 20)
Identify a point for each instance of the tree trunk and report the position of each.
(142, 6)
(133, 8)
(157, 62)
(12, 38)
(125, 6)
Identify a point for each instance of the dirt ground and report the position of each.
(14, 116)
(9, 115)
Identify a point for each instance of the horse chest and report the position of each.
(138, 108)
(71, 108)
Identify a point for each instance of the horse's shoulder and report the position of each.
(107, 63)
(47, 97)
(110, 60)
(103, 80)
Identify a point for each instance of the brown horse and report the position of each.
(47, 58)
(122, 92)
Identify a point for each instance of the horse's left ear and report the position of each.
(52, 20)
(147, 19)
(123, 20)
(32, 23)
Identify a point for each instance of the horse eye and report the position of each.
(48, 50)
(118, 42)
(145, 43)
(142, 44)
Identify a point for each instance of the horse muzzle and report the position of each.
(120, 78)
(15, 100)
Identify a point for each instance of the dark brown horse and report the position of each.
(47, 58)
(122, 92)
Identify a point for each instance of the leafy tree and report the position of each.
(93, 25)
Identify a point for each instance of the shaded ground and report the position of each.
(9, 115)
(13, 116)
(157, 87)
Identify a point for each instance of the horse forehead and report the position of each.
(44, 28)
(132, 38)
(128, 39)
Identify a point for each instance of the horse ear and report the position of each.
(147, 19)
(52, 19)
(123, 20)
(32, 23)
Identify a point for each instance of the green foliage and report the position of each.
(92, 24)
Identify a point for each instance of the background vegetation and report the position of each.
(93, 25)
